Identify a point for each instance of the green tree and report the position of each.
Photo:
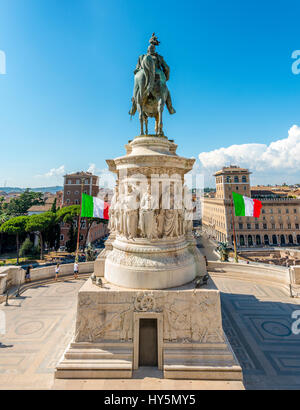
(68, 214)
(19, 206)
(3, 218)
(40, 223)
(53, 207)
(52, 235)
(15, 226)
(71, 244)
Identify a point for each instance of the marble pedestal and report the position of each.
(148, 271)
(190, 340)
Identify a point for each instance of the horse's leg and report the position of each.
(160, 109)
(146, 123)
(141, 116)
(156, 124)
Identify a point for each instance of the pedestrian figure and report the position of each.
(75, 270)
(57, 270)
(27, 274)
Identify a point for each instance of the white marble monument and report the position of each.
(148, 310)
(145, 304)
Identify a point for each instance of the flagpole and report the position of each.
(79, 222)
(233, 227)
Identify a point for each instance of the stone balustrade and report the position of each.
(14, 275)
(257, 272)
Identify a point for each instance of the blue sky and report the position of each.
(69, 79)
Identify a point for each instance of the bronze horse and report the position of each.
(150, 94)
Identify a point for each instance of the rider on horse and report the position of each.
(162, 73)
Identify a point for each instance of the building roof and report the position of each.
(232, 169)
(49, 200)
(80, 174)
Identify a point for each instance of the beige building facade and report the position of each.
(278, 224)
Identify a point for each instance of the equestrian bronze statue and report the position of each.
(151, 94)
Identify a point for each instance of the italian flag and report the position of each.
(92, 207)
(245, 206)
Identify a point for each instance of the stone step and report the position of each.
(102, 346)
(203, 372)
(95, 364)
(98, 354)
(182, 356)
(91, 368)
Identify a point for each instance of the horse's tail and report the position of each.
(148, 66)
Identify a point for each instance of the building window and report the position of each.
(248, 226)
(273, 226)
(295, 211)
(263, 211)
(297, 226)
(68, 201)
(237, 188)
(228, 180)
(244, 179)
(279, 211)
(69, 181)
(240, 226)
(271, 210)
(265, 226)
(256, 226)
(68, 192)
(76, 201)
(281, 226)
(77, 181)
(76, 192)
(86, 182)
(286, 211)
(81, 237)
(245, 188)
(289, 226)
(236, 179)
(62, 237)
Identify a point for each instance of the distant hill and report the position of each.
(51, 189)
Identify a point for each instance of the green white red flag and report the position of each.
(92, 207)
(245, 206)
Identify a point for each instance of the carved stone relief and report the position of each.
(186, 318)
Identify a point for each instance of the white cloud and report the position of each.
(54, 172)
(92, 168)
(280, 157)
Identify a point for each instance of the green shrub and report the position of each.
(26, 248)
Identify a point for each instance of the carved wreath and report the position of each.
(144, 303)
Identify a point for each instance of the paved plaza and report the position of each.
(257, 321)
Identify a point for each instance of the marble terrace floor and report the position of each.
(257, 321)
